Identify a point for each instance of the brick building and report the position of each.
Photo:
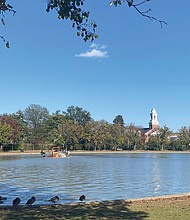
(153, 126)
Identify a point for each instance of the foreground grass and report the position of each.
(162, 208)
(175, 207)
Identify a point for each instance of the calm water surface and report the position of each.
(98, 176)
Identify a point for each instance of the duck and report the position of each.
(16, 201)
(31, 201)
(3, 198)
(82, 198)
(54, 199)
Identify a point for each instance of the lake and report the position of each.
(107, 176)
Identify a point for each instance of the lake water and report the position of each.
(97, 176)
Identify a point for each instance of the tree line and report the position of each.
(75, 129)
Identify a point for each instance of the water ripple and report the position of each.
(99, 176)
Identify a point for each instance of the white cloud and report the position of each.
(97, 51)
(103, 47)
(93, 45)
(93, 53)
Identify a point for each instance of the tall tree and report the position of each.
(89, 138)
(6, 135)
(36, 117)
(104, 137)
(70, 134)
(119, 120)
(154, 143)
(164, 137)
(119, 136)
(15, 127)
(184, 137)
(54, 122)
(19, 118)
(78, 114)
(134, 137)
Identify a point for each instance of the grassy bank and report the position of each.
(161, 208)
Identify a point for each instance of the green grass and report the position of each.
(175, 208)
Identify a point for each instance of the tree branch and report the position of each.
(142, 2)
(73, 10)
(5, 41)
(150, 17)
(4, 7)
(144, 14)
(136, 6)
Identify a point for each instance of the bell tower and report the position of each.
(153, 124)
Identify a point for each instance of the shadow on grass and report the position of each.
(116, 209)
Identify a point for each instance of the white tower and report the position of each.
(153, 120)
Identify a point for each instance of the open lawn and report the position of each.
(162, 208)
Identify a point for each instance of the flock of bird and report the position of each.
(17, 200)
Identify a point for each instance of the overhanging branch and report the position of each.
(5, 7)
(144, 14)
(5, 41)
(137, 6)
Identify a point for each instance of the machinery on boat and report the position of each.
(57, 152)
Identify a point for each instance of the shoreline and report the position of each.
(34, 152)
(150, 198)
(176, 207)
(171, 196)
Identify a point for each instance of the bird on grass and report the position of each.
(16, 201)
(54, 199)
(82, 198)
(3, 198)
(31, 201)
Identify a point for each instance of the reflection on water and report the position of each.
(98, 176)
(156, 176)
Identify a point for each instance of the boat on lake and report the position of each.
(58, 152)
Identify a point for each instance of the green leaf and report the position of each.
(2, 20)
(7, 44)
(130, 3)
(9, 6)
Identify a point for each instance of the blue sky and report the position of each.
(134, 65)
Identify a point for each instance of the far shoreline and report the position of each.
(36, 152)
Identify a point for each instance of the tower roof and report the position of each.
(153, 110)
